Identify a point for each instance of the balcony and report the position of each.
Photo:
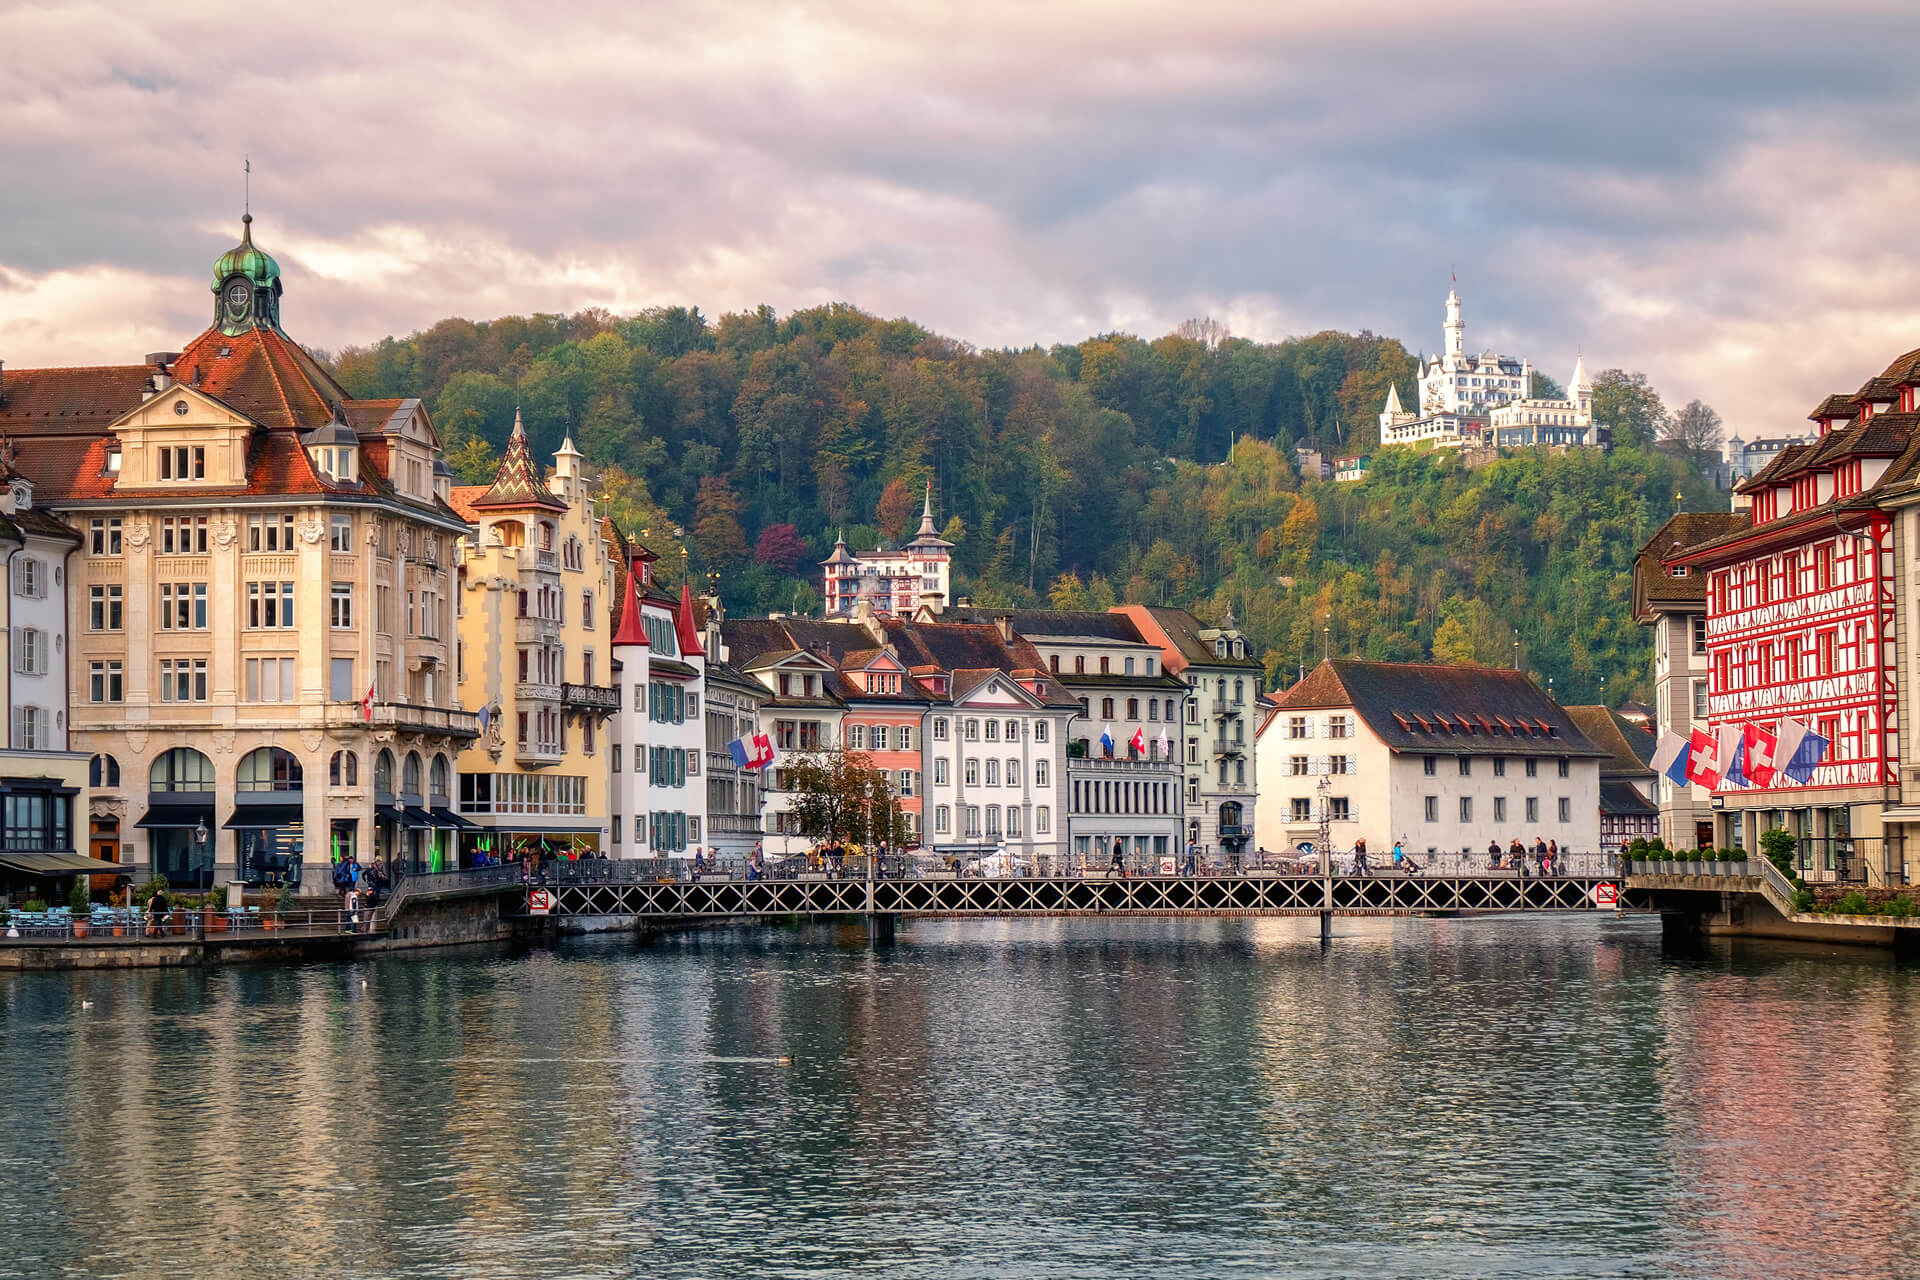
(536, 631)
(590, 697)
(1088, 766)
(536, 692)
(405, 717)
(546, 560)
(1233, 831)
(733, 824)
(1223, 747)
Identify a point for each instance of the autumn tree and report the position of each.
(1693, 433)
(840, 797)
(1628, 404)
(716, 523)
(780, 547)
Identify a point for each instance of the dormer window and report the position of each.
(183, 462)
(335, 450)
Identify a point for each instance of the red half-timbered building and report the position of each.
(1801, 608)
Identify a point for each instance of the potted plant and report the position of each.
(80, 902)
(215, 907)
(282, 904)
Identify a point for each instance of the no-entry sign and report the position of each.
(539, 901)
(1606, 894)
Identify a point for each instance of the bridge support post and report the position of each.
(880, 927)
(1326, 928)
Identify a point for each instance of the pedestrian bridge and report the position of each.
(935, 896)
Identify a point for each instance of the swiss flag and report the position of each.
(1763, 754)
(1138, 742)
(1703, 760)
(762, 752)
(366, 705)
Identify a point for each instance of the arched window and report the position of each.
(269, 769)
(383, 773)
(103, 771)
(181, 769)
(410, 775)
(440, 777)
(344, 769)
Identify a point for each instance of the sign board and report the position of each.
(539, 901)
(1606, 895)
(1166, 866)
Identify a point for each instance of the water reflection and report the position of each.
(1054, 1097)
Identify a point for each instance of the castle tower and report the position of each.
(1456, 347)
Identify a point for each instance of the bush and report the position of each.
(284, 902)
(1854, 904)
(1637, 847)
(33, 905)
(1900, 908)
(80, 898)
(217, 899)
(1657, 847)
(144, 894)
(1778, 847)
(1803, 899)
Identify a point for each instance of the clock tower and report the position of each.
(246, 287)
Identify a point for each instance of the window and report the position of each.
(183, 462)
(993, 820)
(30, 651)
(1039, 730)
(1106, 708)
(993, 773)
(343, 770)
(586, 609)
(1566, 810)
(1153, 709)
(973, 773)
(1466, 808)
(1039, 772)
(269, 680)
(30, 578)
(269, 769)
(616, 828)
(104, 608)
(939, 771)
(340, 533)
(1431, 806)
(972, 733)
(1337, 727)
(1565, 766)
(1302, 809)
(103, 771)
(340, 683)
(269, 604)
(1429, 765)
(104, 682)
(993, 731)
(904, 784)
(270, 532)
(1499, 808)
(880, 737)
(856, 737)
(183, 606)
(181, 769)
(183, 536)
(1533, 809)
(970, 814)
(1338, 809)
(1042, 819)
(1297, 766)
(1297, 727)
(939, 728)
(1699, 634)
(1700, 699)
(903, 734)
(942, 819)
(185, 679)
(1013, 820)
(1533, 768)
(1466, 766)
(103, 536)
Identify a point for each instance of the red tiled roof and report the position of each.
(461, 500)
(263, 374)
(68, 401)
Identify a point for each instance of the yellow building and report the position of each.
(535, 652)
(260, 609)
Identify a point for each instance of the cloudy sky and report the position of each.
(1719, 194)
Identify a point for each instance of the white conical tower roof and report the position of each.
(1393, 398)
(1580, 379)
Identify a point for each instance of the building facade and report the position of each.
(1672, 600)
(1218, 752)
(535, 578)
(1443, 759)
(250, 533)
(1628, 811)
(1803, 608)
(734, 825)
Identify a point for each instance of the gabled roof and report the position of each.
(1092, 624)
(1422, 708)
(1618, 797)
(68, 401)
(1655, 588)
(1178, 633)
(1837, 405)
(967, 682)
(263, 374)
(1629, 746)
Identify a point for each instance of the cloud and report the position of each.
(1688, 190)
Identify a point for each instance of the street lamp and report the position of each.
(200, 848)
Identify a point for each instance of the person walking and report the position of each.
(1493, 855)
(1551, 865)
(1516, 853)
(156, 909)
(1193, 859)
(1119, 862)
(350, 909)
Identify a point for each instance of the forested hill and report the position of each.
(1115, 469)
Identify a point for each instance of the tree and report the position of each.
(837, 797)
(1628, 403)
(1694, 433)
(473, 461)
(781, 547)
(716, 523)
(1452, 642)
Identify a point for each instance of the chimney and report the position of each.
(161, 362)
(1004, 623)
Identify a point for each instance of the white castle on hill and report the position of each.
(1488, 400)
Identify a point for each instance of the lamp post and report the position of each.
(200, 856)
(1326, 638)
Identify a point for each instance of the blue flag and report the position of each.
(738, 750)
(1806, 757)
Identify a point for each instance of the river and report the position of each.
(1511, 1096)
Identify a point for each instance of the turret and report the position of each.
(1456, 327)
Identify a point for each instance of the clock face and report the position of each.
(237, 294)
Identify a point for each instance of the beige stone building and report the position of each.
(536, 656)
(260, 622)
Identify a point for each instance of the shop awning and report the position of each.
(390, 813)
(61, 864)
(266, 815)
(448, 820)
(419, 819)
(161, 815)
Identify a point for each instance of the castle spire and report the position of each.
(926, 515)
